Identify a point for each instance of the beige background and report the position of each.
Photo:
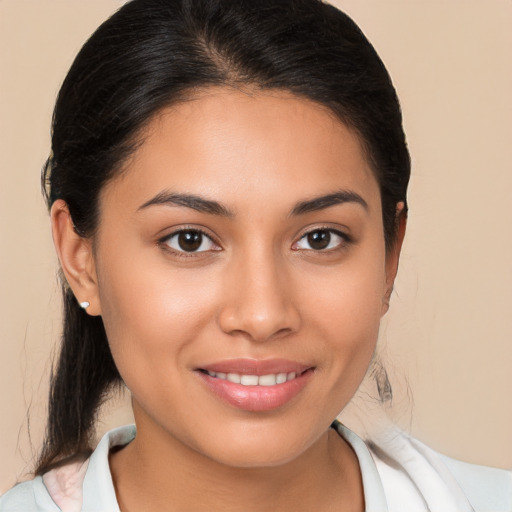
(449, 334)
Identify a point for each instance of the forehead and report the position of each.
(232, 145)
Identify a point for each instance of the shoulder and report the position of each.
(486, 488)
(80, 485)
(409, 467)
(20, 495)
(57, 490)
(28, 496)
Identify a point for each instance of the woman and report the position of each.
(227, 191)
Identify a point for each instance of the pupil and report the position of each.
(319, 239)
(190, 240)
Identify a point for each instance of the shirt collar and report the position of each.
(98, 487)
(374, 497)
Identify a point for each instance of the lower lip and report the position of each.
(256, 398)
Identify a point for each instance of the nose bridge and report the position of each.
(260, 304)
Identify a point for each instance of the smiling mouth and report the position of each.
(255, 385)
(254, 388)
(271, 379)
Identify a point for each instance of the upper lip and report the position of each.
(255, 366)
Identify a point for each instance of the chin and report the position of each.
(259, 447)
(252, 458)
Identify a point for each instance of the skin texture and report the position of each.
(256, 290)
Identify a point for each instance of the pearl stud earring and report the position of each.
(84, 305)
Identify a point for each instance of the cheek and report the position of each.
(345, 312)
(151, 313)
(348, 299)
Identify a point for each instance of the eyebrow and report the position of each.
(192, 201)
(211, 207)
(322, 202)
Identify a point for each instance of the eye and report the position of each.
(321, 239)
(190, 240)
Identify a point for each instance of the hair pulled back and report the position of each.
(153, 53)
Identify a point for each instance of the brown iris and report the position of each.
(319, 240)
(190, 240)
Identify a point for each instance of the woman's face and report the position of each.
(242, 274)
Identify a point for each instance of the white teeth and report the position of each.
(267, 380)
(254, 380)
(249, 380)
(233, 377)
(280, 378)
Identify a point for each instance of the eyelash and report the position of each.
(345, 240)
(164, 242)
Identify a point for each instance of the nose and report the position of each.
(259, 301)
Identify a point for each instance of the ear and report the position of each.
(76, 257)
(393, 254)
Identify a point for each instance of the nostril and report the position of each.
(281, 333)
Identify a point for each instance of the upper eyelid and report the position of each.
(341, 232)
(181, 229)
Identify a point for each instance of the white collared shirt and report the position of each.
(399, 474)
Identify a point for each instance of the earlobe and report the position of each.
(393, 255)
(76, 258)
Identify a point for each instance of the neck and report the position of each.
(157, 472)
